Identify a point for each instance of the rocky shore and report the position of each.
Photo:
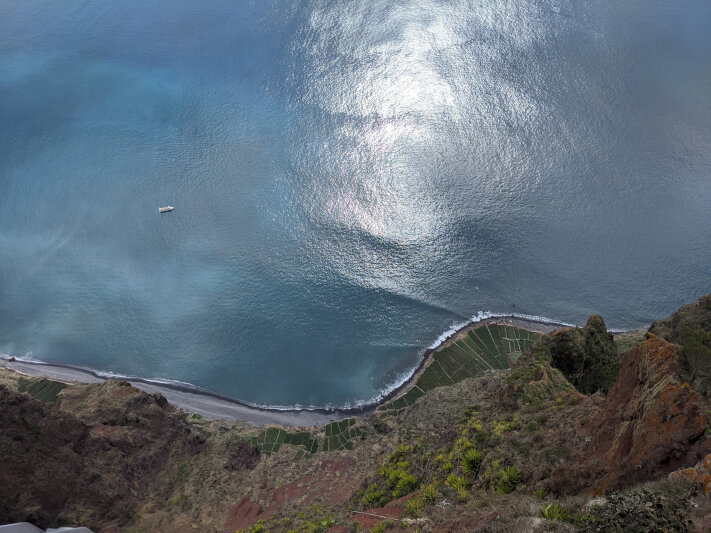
(213, 405)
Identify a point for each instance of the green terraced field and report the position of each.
(43, 390)
(484, 349)
(338, 435)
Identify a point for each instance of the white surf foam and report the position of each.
(398, 382)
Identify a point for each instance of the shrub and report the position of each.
(430, 492)
(405, 485)
(554, 511)
(396, 476)
(642, 510)
(255, 528)
(509, 478)
(456, 482)
(380, 527)
(500, 426)
(373, 496)
(471, 462)
(415, 507)
(323, 524)
(540, 493)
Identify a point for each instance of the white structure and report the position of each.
(26, 527)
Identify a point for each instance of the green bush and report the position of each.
(554, 511)
(374, 496)
(509, 478)
(255, 528)
(456, 482)
(396, 477)
(471, 462)
(382, 526)
(415, 507)
(430, 493)
(405, 485)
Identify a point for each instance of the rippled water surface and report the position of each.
(350, 179)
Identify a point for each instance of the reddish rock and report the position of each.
(651, 422)
(243, 515)
(332, 486)
(698, 475)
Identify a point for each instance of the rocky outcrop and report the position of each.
(587, 357)
(651, 422)
(695, 315)
(698, 475)
(96, 461)
(240, 455)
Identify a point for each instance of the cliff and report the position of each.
(519, 449)
(94, 460)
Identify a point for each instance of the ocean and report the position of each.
(350, 180)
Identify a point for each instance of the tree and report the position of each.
(587, 357)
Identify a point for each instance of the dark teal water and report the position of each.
(350, 180)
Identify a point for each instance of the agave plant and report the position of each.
(430, 492)
(471, 462)
(554, 511)
(457, 482)
(509, 478)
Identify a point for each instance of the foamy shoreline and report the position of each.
(210, 404)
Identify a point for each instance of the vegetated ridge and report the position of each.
(503, 430)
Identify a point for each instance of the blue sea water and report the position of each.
(350, 180)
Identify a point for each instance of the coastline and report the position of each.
(214, 405)
(206, 403)
(530, 324)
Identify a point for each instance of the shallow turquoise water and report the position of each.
(350, 180)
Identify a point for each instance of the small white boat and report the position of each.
(165, 209)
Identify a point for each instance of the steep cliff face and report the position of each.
(96, 468)
(651, 422)
(690, 328)
(40, 461)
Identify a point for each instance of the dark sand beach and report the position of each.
(213, 405)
